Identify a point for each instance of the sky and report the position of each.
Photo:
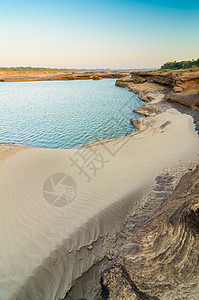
(98, 34)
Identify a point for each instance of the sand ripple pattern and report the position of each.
(44, 248)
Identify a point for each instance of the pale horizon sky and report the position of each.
(98, 34)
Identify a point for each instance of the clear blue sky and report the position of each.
(97, 34)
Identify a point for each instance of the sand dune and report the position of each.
(45, 247)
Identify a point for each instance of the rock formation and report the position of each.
(64, 76)
(160, 261)
(191, 100)
(179, 80)
(182, 85)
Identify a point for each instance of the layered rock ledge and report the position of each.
(160, 261)
(181, 86)
(46, 76)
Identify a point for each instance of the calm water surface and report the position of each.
(64, 114)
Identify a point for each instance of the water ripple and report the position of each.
(64, 114)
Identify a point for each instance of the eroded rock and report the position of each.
(187, 100)
(180, 86)
(161, 259)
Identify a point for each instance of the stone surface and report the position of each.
(117, 276)
(161, 259)
(181, 86)
(185, 79)
(177, 89)
(191, 100)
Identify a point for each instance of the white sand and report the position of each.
(44, 248)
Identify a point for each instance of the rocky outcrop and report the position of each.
(116, 276)
(160, 261)
(179, 80)
(67, 76)
(158, 77)
(187, 100)
(180, 86)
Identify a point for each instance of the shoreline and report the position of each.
(61, 76)
(126, 188)
(163, 187)
(165, 184)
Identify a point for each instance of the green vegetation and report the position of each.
(30, 69)
(189, 64)
(41, 69)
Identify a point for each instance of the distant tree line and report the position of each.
(176, 65)
(31, 69)
(41, 69)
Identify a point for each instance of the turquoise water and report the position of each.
(64, 114)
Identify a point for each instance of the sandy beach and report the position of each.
(47, 243)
